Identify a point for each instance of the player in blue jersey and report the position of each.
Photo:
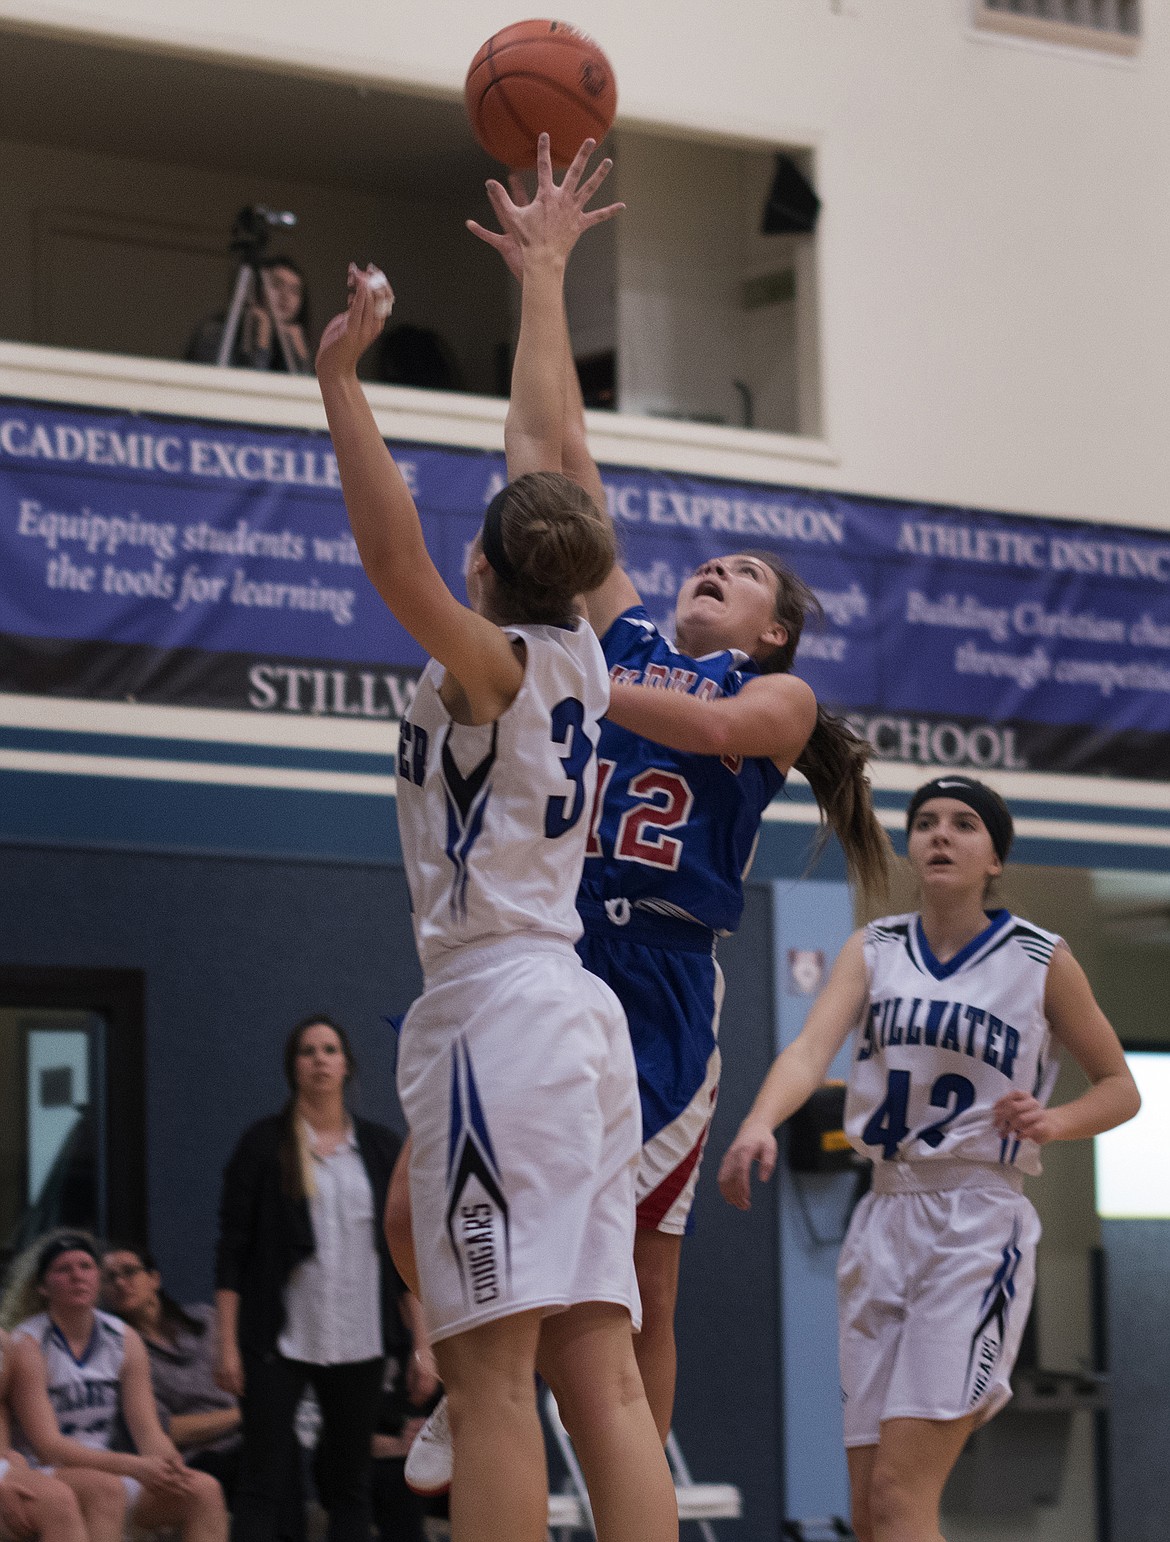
(958, 1014)
(673, 828)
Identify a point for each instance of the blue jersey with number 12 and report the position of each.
(673, 833)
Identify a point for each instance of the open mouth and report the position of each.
(707, 588)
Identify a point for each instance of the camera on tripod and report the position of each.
(253, 225)
(250, 232)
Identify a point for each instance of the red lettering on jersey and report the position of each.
(656, 675)
(682, 679)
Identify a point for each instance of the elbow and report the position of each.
(716, 734)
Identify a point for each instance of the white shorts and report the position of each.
(517, 1078)
(934, 1285)
(130, 1486)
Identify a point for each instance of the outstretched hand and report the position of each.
(551, 222)
(752, 1148)
(348, 335)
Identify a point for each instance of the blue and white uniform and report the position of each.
(673, 836)
(515, 1068)
(86, 1393)
(938, 1267)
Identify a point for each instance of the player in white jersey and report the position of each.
(515, 1069)
(86, 1507)
(957, 1014)
(78, 1376)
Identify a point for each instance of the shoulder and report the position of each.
(889, 931)
(1033, 941)
(632, 626)
(33, 1330)
(112, 1328)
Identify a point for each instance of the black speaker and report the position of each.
(792, 206)
(816, 1137)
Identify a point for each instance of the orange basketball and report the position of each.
(539, 77)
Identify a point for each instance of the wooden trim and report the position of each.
(1042, 29)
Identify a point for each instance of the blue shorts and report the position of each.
(672, 997)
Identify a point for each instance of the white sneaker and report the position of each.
(428, 1462)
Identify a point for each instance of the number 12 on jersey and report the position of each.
(643, 835)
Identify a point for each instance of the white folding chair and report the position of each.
(698, 1502)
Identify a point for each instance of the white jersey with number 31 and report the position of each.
(940, 1044)
(494, 818)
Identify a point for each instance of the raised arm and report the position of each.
(545, 427)
(385, 521)
(1078, 1024)
(796, 1074)
(771, 717)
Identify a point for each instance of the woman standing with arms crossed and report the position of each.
(959, 1014)
(514, 1068)
(305, 1290)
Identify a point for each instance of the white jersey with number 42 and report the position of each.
(940, 1044)
(494, 818)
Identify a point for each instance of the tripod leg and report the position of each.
(231, 327)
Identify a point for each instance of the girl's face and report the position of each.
(71, 1281)
(128, 1285)
(288, 293)
(320, 1066)
(729, 602)
(949, 848)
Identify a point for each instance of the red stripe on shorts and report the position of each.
(659, 1200)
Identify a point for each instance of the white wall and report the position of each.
(995, 322)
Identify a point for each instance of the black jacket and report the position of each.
(264, 1233)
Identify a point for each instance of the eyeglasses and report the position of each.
(126, 1272)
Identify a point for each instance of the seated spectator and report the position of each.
(256, 346)
(38, 1504)
(79, 1375)
(201, 1419)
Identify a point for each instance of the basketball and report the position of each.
(539, 77)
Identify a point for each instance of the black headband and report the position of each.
(493, 537)
(68, 1242)
(975, 795)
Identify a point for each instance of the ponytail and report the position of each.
(833, 763)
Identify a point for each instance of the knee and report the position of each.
(499, 1397)
(56, 1508)
(104, 1497)
(587, 1402)
(206, 1494)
